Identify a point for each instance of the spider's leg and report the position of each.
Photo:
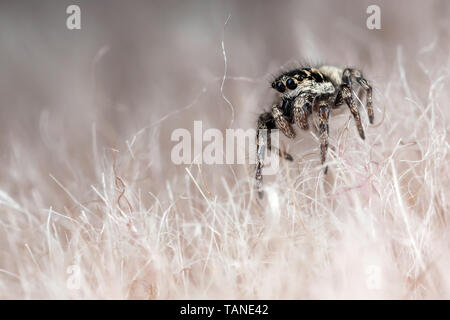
(261, 141)
(366, 86)
(281, 122)
(348, 98)
(347, 76)
(338, 100)
(267, 122)
(324, 112)
(302, 108)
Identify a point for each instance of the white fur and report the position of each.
(310, 87)
(333, 73)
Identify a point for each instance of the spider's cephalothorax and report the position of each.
(304, 91)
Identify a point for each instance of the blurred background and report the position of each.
(133, 63)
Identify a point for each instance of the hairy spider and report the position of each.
(302, 91)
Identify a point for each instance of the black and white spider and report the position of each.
(304, 91)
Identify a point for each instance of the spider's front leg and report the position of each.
(324, 113)
(261, 140)
(266, 122)
(302, 109)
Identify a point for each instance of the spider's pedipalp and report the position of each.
(282, 123)
(302, 108)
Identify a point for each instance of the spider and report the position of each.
(304, 91)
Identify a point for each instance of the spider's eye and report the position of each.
(291, 84)
(280, 86)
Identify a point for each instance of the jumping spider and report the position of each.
(302, 91)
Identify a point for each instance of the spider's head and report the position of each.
(285, 84)
(288, 83)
